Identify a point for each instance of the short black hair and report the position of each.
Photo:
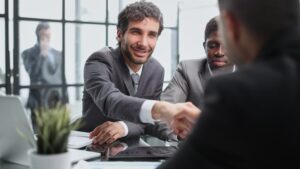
(138, 11)
(41, 26)
(263, 18)
(211, 27)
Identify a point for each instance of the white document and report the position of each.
(116, 165)
(80, 155)
(78, 139)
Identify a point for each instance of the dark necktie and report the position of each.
(135, 78)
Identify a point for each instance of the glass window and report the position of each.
(43, 65)
(112, 34)
(2, 51)
(81, 41)
(2, 90)
(75, 101)
(169, 11)
(190, 44)
(163, 52)
(86, 10)
(2, 6)
(75, 95)
(41, 9)
(113, 10)
(24, 93)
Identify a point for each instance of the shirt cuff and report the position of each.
(145, 112)
(125, 128)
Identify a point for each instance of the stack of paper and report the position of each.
(78, 139)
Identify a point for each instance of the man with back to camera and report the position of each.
(191, 76)
(44, 67)
(250, 118)
(118, 81)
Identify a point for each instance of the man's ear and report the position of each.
(232, 25)
(204, 45)
(119, 34)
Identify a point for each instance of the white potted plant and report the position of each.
(53, 129)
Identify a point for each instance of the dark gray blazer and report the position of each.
(189, 81)
(251, 117)
(109, 93)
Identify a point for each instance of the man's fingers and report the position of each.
(103, 136)
(99, 128)
(183, 134)
(180, 126)
(109, 134)
(113, 138)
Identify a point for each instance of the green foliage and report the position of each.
(53, 129)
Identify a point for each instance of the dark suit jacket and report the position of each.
(43, 71)
(251, 117)
(109, 92)
(189, 81)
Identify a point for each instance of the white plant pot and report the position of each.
(53, 161)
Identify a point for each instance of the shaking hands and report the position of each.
(181, 116)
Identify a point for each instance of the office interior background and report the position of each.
(81, 27)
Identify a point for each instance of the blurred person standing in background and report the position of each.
(44, 67)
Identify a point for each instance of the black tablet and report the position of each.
(152, 153)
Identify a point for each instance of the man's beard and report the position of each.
(130, 57)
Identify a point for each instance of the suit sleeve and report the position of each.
(105, 95)
(161, 131)
(33, 64)
(215, 142)
(134, 129)
(177, 90)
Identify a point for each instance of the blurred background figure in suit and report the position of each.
(44, 67)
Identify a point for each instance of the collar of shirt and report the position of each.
(138, 72)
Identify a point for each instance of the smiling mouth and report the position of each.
(140, 52)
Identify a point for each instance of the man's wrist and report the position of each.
(125, 127)
(155, 111)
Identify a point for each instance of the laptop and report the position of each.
(13, 121)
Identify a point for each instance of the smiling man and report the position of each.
(118, 81)
(191, 76)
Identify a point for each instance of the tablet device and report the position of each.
(117, 152)
(144, 153)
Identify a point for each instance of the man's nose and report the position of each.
(143, 41)
(220, 51)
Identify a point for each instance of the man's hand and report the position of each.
(107, 132)
(183, 122)
(181, 116)
(164, 111)
(44, 47)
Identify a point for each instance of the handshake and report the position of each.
(181, 117)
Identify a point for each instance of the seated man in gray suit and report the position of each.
(118, 81)
(190, 78)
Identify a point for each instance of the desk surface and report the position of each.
(144, 141)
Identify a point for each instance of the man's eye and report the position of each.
(135, 32)
(213, 45)
(153, 35)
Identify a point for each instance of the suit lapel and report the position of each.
(124, 71)
(144, 76)
(203, 73)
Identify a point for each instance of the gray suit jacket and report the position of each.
(189, 81)
(109, 92)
